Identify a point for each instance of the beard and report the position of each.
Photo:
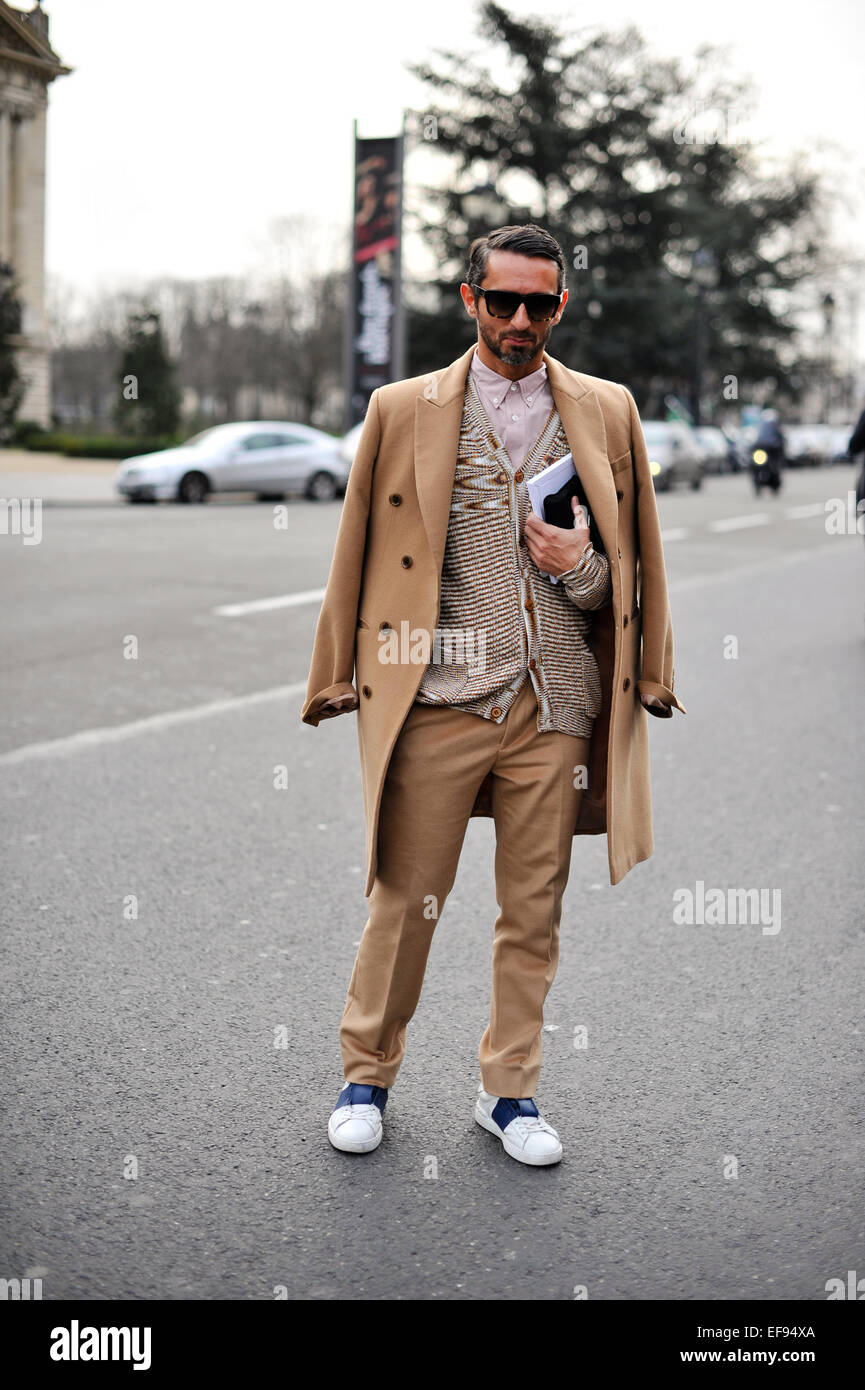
(515, 356)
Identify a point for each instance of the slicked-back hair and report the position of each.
(527, 240)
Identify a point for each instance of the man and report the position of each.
(484, 687)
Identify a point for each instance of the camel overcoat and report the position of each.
(386, 570)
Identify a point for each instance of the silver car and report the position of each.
(675, 454)
(268, 457)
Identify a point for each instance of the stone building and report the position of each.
(27, 65)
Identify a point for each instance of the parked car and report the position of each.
(835, 440)
(719, 452)
(268, 457)
(675, 455)
(348, 446)
(804, 447)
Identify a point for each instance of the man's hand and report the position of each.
(553, 549)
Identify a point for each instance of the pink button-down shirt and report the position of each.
(517, 410)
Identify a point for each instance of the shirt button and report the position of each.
(515, 417)
(495, 400)
(528, 400)
(513, 388)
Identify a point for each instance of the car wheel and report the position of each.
(193, 489)
(321, 487)
(696, 482)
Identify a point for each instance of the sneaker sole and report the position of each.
(535, 1162)
(365, 1147)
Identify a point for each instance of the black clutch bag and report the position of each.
(559, 512)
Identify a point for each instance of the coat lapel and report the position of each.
(437, 421)
(438, 417)
(583, 419)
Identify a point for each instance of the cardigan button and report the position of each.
(495, 711)
(395, 499)
(533, 664)
(626, 683)
(518, 476)
(406, 562)
(367, 692)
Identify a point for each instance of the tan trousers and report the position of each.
(440, 758)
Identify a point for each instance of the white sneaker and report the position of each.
(525, 1134)
(355, 1125)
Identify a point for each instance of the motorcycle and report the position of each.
(766, 467)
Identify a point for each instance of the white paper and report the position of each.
(549, 480)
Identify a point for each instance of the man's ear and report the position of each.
(561, 308)
(469, 301)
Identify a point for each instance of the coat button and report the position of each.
(626, 683)
(406, 562)
(495, 712)
(619, 494)
(395, 499)
(619, 554)
(367, 692)
(625, 621)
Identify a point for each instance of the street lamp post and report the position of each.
(704, 272)
(828, 320)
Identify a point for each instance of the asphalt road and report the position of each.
(157, 1143)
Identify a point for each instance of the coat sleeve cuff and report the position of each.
(312, 710)
(661, 692)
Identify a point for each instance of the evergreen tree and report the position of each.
(597, 137)
(149, 397)
(12, 385)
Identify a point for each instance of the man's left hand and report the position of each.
(553, 549)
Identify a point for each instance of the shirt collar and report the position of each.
(527, 385)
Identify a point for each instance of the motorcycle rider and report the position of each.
(771, 442)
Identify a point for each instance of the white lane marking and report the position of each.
(93, 738)
(673, 533)
(808, 509)
(739, 523)
(262, 605)
(152, 723)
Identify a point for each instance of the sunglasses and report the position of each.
(503, 304)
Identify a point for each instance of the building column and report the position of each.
(5, 185)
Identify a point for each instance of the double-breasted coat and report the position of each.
(386, 570)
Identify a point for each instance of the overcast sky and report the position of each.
(187, 126)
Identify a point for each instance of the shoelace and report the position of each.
(533, 1123)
